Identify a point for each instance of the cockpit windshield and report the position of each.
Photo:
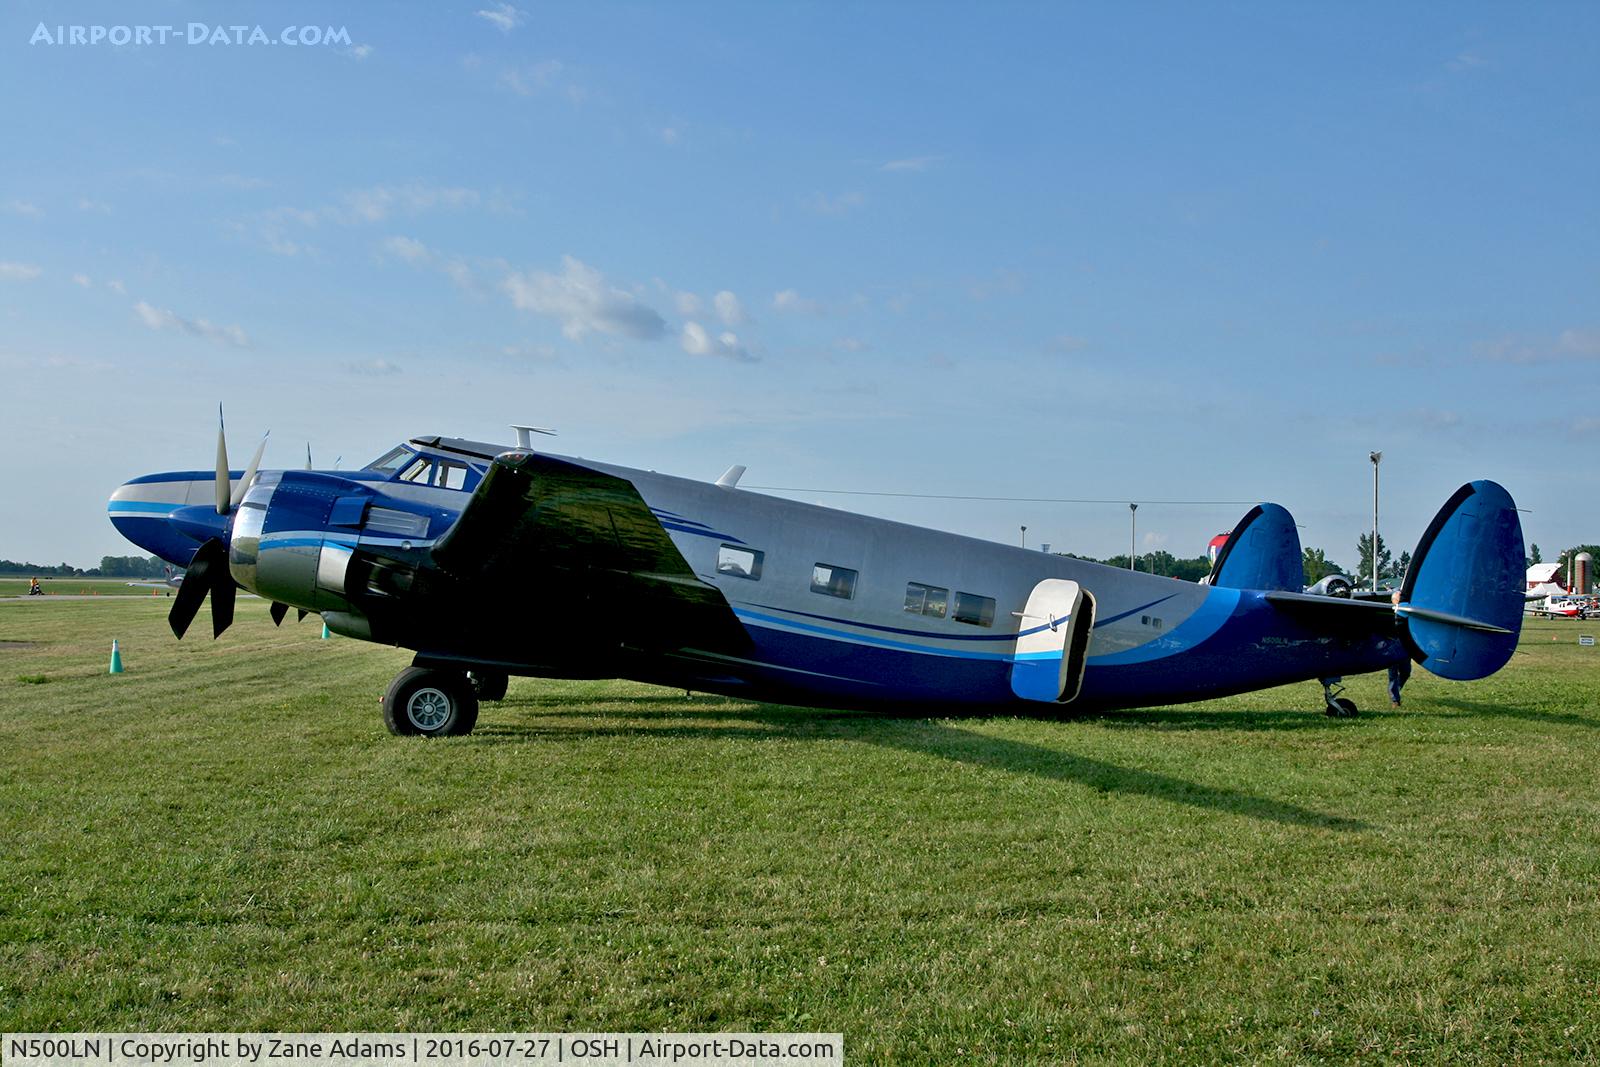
(439, 473)
(392, 460)
(416, 468)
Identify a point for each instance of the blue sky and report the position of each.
(1160, 252)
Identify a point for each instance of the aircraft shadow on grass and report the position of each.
(930, 737)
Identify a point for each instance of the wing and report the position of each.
(542, 530)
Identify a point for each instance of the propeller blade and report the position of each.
(197, 581)
(222, 465)
(300, 616)
(249, 473)
(278, 611)
(222, 592)
(308, 455)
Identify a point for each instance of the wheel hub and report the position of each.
(428, 709)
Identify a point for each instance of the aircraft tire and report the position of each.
(422, 702)
(489, 685)
(1342, 708)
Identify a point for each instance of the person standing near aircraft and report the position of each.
(1399, 673)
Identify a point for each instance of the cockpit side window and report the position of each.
(392, 460)
(451, 476)
(419, 473)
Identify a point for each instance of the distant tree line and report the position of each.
(1162, 563)
(110, 567)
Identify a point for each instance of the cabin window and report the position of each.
(833, 581)
(419, 473)
(740, 562)
(973, 609)
(926, 599)
(451, 476)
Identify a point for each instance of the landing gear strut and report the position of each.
(1337, 706)
(424, 702)
(489, 685)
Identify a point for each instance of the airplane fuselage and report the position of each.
(832, 608)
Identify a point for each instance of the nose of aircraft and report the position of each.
(154, 513)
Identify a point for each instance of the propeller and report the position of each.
(278, 611)
(207, 572)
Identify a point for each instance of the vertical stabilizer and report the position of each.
(1263, 552)
(1462, 597)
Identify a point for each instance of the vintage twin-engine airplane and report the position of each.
(490, 561)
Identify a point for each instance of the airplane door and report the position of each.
(1052, 642)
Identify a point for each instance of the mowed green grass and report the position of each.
(224, 837)
(82, 587)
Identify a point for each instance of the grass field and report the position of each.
(80, 587)
(225, 838)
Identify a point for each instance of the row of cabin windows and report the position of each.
(831, 580)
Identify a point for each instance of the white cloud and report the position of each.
(689, 304)
(407, 248)
(792, 301)
(458, 272)
(116, 286)
(359, 52)
(851, 344)
(532, 80)
(729, 310)
(1466, 61)
(1579, 343)
(26, 208)
(670, 134)
(584, 302)
(823, 204)
(19, 272)
(99, 207)
(81, 279)
(162, 319)
(697, 342)
(373, 368)
(503, 17)
(1570, 344)
(378, 202)
(915, 163)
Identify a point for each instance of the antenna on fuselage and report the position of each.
(525, 434)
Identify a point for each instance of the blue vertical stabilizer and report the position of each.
(1263, 552)
(1462, 597)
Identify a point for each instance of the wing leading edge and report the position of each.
(583, 542)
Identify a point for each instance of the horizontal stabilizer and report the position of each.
(1462, 597)
(1263, 552)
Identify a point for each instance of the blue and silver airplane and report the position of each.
(490, 561)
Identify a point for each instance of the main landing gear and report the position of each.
(1338, 706)
(431, 702)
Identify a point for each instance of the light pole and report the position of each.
(1133, 523)
(1024, 542)
(1375, 457)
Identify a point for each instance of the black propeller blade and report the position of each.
(278, 611)
(207, 573)
(300, 616)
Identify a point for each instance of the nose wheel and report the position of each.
(1336, 705)
(423, 702)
